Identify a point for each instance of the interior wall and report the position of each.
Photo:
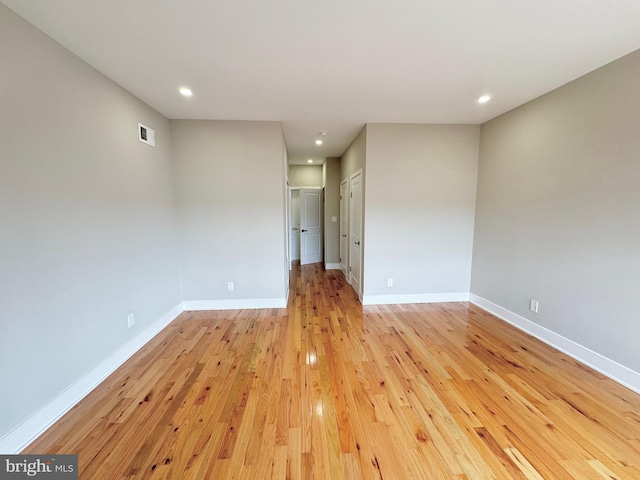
(284, 182)
(88, 220)
(231, 211)
(355, 156)
(331, 174)
(420, 196)
(353, 159)
(305, 175)
(558, 211)
(295, 224)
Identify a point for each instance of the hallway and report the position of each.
(325, 390)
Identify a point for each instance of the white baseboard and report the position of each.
(234, 304)
(25, 433)
(332, 266)
(415, 298)
(615, 371)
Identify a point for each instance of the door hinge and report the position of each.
(351, 194)
(349, 268)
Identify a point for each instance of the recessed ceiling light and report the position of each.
(186, 91)
(309, 161)
(323, 134)
(484, 99)
(318, 142)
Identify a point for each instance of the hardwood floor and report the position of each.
(328, 390)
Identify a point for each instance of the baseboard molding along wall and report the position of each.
(332, 266)
(619, 373)
(25, 433)
(30, 429)
(415, 298)
(234, 304)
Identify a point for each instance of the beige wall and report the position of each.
(558, 211)
(286, 214)
(355, 156)
(305, 175)
(230, 197)
(331, 182)
(87, 215)
(353, 159)
(420, 202)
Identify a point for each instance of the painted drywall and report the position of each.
(558, 211)
(305, 175)
(420, 197)
(354, 159)
(231, 210)
(331, 182)
(286, 214)
(355, 156)
(87, 215)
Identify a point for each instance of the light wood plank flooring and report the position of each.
(328, 390)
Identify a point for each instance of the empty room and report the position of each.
(319, 240)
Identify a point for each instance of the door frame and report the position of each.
(322, 218)
(288, 224)
(291, 220)
(360, 233)
(344, 216)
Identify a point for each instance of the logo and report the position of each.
(50, 467)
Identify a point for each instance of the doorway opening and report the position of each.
(306, 225)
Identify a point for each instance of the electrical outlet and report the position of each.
(389, 282)
(230, 286)
(130, 320)
(533, 306)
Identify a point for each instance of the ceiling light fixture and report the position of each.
(484, 99)
(186, 91)
(323, 134)
(318, 142)
(309, 161)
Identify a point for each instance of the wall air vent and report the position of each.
(146, 135)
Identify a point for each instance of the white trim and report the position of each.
(615, 371)
(234, 304)
(312, 188)
(415, 298)
(25, 433)
(332, 266)
(344, 256)
(360, 234)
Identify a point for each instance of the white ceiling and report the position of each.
(335, 65)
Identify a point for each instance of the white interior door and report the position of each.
(310, 225)
(294, 222)
(344, 225)
(355, 231)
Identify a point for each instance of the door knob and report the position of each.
(303, 230)
(357, 243)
